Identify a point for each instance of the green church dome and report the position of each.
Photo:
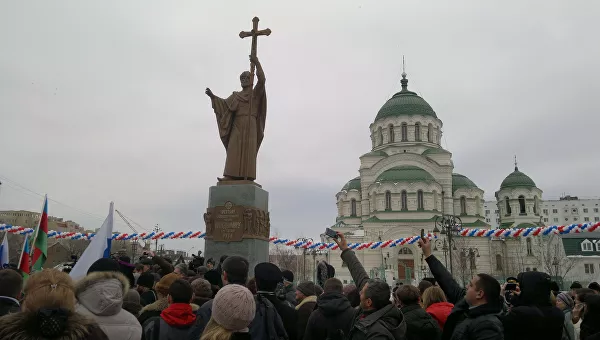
(461, 181)
(517, 179)
(352, 184)
(405, 102)
(405, 174)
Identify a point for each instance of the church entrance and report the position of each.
(406, 265)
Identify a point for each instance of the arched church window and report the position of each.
(391, 133)
(420, 200)
(405, 251)
(418, 131)
(379, 136)
(403, 199)
(529, 247)
(535, 205)
(477, 206)
(404, 131)
(388, 201)
(353, 207)
(508, 210)
(522, 205)
(435, 200)
(430, 133)
(498, 262)
(463, 205)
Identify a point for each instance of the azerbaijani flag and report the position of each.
(24, 261)
(40, 241)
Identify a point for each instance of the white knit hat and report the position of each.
(234, 308)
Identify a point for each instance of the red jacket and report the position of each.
(440, 311)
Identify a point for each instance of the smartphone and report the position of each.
(331, 233)
(510, 286)
(422, 233)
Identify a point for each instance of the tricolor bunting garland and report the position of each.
(465, 232)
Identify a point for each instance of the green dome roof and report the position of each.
(405, 102)
(517, 179)
(352, 184)
(461, 181)
(405, 174)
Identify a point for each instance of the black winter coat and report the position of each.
(8, 306)
(532, 315)
(303, 313)
(481, 322)
(286, 312)
(332, 319)
(385, 323)
(419, 324)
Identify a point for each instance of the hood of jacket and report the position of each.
(25, 326)
(440, 310)
(389, 317)
(535, 289)
(102, 292)
(308, 299)
(332, 303)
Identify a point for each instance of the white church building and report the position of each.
(407, 182)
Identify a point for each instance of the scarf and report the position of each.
(178, 314)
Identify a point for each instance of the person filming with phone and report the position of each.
(376, 317)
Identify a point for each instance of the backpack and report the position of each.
(267, 323)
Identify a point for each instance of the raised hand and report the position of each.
(341, 241)
(425, 245)
(209, 93)
(254, 59)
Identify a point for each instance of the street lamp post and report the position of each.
(444, 247)
(304, 239)
(448, 225)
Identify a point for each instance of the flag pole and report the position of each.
(37, 229)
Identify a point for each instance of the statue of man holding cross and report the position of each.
(241, 117)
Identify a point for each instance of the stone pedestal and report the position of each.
(237, 222)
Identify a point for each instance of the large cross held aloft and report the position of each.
(254, 33)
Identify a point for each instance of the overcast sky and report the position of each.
(104, 100)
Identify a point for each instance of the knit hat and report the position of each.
(566, 299)
(162, 287)
(104, 265)
(202, 288)
(146, 280)
(307, 288)
(288, 275)
(234, 308)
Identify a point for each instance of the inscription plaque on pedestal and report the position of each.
(231, 223)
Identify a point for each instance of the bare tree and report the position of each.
(462, 265)
(554, 261)
(285, 258)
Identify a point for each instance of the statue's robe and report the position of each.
(241, 129)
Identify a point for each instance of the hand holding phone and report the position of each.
(422, 233)
(331, 233)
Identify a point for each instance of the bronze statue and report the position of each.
(241, 117)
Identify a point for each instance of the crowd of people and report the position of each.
(154, 299)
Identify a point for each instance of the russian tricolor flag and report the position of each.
(97, 249)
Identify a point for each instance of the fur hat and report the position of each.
(307, 288)
(162, 287)
(234, 308)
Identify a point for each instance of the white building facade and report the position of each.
(406, 183)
